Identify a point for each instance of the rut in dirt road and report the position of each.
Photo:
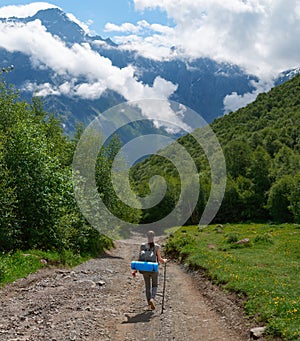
(99, 300)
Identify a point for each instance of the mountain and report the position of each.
(202, 84)
(286, 75)
(261, 146)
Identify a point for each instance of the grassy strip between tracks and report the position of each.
(265, 269)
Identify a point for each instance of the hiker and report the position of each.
(150, 252)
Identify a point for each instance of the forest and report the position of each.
(261, 145)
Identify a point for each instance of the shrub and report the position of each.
(264, 238)
(232, 238)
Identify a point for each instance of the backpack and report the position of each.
(148, 254)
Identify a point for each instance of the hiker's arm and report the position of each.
(134, 272)
(160, 259)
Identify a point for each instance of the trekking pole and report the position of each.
(164, 288)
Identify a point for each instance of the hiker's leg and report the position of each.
(154, 284)
(147, 286)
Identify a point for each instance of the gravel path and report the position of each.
(99, 300)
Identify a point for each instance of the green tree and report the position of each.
(8, 224)
(37, 204)
(295, 198)
(258, 172)
(230, 210)
(39, 180)
(286, 161)
(105, 161)
(279, 199)
(271, 141)
(246, 192)
(238, 157)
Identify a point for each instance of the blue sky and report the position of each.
(101, 12)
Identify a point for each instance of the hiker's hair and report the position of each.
(151, 244)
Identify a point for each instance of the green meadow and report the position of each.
(265, 270)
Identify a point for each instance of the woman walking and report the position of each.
(150, 252)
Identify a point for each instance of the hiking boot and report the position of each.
(152, 304)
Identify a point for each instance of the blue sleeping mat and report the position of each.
(144, 266)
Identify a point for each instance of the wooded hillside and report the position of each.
(261, 144)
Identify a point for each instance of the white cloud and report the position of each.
(260, 35)
(151, 40)
(142, 26)
(76, 62)
(68, 88)
(84, 26)
(125, 27)
(155, 47)
(235, 101)
(24, 11)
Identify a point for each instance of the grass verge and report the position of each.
(19, 264)
(265, 268)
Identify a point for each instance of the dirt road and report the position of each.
(99, 300)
